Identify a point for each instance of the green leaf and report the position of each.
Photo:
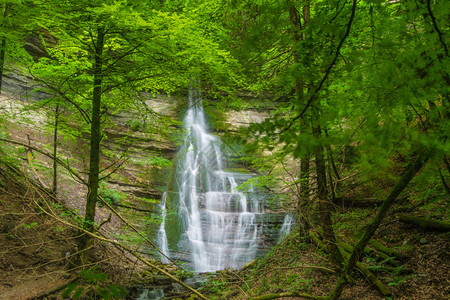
(68, 290)
(78, 293)
(93, 275)
(105, 293)
(117, 291)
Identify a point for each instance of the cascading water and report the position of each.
(286, 227)
(206, 220)
(162, 237)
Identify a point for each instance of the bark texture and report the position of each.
(94, 158)
(303, 199)
(426, 224)
(3, 44)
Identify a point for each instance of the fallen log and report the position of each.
(360, 202)
(426, 224)
(372, 278)
(134, 208)
(287, 294)
(352, 202)
(391, 270)
(249, 265)
(415, 166)
(370, 252)
(359, 266)
(377, 245)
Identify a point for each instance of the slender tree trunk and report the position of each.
(94, 160)
(331, 183)
(55, 151)
(303, 208)
(303, 199)
(331, 157)
(3, 45)
(444, 183)
(357, 252)
(331, 162)
(322, 194)
(324, 205)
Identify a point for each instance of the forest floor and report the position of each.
(37, 250)
(423, 271)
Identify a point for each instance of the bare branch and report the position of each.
(67, 167)
(117, 244)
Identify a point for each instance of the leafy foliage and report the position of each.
(93, 285)
(159, 161)
(111, 196)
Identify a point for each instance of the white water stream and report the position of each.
(218, 226)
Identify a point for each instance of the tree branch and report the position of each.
(137, 231)
(48, 155)
(327, 72)
(123, 56)
(433, 20)
(134, 253)
(60, 93)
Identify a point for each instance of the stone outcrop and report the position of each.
(243, 118)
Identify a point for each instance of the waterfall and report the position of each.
(162, 237)
(286, 227)
(215, 225)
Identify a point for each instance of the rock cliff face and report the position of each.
(34, 44)
(243, 118)
(20, 86)
(165, 146)
(141, 176)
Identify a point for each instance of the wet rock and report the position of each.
(178, 288)
(194, 282)
(161, 280)
(154, 294)
(138, 190)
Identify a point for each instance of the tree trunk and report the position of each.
(333, 187)
(303, 199)
(416, 165)
(324, 205)
(94, 159)
(331, 183)
(3, 45)
(55, 151)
